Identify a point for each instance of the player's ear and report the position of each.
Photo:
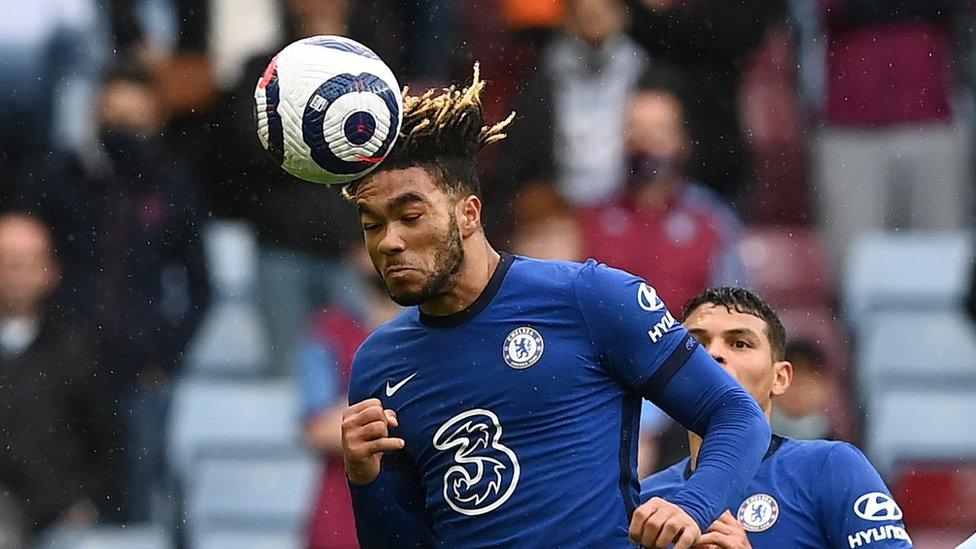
(782, 377)
(469, 215)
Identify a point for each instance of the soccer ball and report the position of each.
(328, 109)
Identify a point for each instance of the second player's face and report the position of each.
(740, 343)
(411, 233)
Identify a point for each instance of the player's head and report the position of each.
(745, 335)
(657, 142)
(28, 270)
(421, 208)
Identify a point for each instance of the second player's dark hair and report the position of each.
(744, 301)
(442, 133)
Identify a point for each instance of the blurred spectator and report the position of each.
(303, 229)
(324, 361)
(52, 403)
(663, 226)
(891, 153)
(570, 112)
(710, 42)
(152, 284)
(801, 412)
(133, 258)
(49, 51)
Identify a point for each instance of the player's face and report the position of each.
(411, 232)
(740, 343)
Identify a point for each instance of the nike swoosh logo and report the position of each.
(390, 391)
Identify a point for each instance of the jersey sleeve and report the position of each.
(637, 339)
(390, 511)
(856, 507)
(643, 346)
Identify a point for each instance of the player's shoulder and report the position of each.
(544, 272)
(664, 482)
(389, 334)
(379, 352)
(821, 455)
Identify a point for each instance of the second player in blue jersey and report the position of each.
(807, 493)
(501, 408)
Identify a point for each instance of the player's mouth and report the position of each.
(398, 271)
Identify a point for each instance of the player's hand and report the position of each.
(365, 437)
(724, 533)
(659, 523)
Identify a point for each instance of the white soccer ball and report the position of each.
(328, 109)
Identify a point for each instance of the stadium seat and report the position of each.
(788, 265)
(231, 251)
(917, 271)
(107, 537)
(922, 424)
(237, 539)
(932, 350)
(270, 494)
(230, 342)
(207, 415)
(939, 494)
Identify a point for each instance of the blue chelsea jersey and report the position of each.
(807, 494)
(537, 382)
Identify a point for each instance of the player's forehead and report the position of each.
(716, 320)
(390, 189)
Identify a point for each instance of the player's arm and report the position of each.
(735, 434)
(387, 494)
(647, 351)
(390, 510)
(855, 506)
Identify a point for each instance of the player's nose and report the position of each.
(717, 352)
(391, 243)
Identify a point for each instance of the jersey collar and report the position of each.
(774, 443)
(479, 304)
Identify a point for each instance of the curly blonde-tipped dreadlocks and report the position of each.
(442, 132)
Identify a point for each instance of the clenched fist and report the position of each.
(659, 523)
(366, 437)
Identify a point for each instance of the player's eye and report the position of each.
(411, 218)
(742, 344)
(370, 227)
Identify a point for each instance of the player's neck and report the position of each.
(480, 262)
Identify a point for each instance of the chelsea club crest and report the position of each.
(758, 513)
(523, 348)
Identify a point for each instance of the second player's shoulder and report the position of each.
(824, 452)
(829, 465)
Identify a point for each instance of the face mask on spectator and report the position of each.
(132, 155)
(646, 167)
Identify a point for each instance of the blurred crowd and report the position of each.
(690, 142)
